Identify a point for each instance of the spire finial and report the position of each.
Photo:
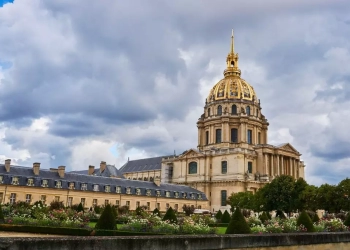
(232, 43)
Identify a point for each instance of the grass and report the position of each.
(221, 230)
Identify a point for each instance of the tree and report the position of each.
(347, 220)
(188, 210)
(242, 199)
(226, 217)
(2, 219)
(263, 217)
(308, 198)
(156, 212)
(238, 224)
(170, 216)
(218, 215)
(305, 220)
(344, 199)
(80, 208)
(106, 220)
(299, 186)
(328, 198)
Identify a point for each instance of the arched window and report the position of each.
(224, 167)
(208, 112)
(247, 110)
(192, 167)
(234, 109)
(219, 110)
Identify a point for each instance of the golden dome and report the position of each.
(232, 88)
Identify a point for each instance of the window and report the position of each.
(1, 197)
(218, 136)
(15, 181)
(107, 188)
(247, 110)
(28, 198)
(171, 171)
(224, 167)
(176, 207)
(158, 193)
(138, 191)
(70, 201)
(192, 167)
(1, 179)
(43, 198)
(158, 206)
(128, 190)
(176, 194)
(250, 167)
(58, 184)
(118, 189)
(140, 178)
(249, 136)
(57, 198)
(193, 196)
(184, 195)
(71, 185)
(167, 194)
(96, 187)
(199, 207)
(199, 196)
(30, 182)
(148, 205)
(83, 186)
(257, 112)
(12, 198)
(223, 197)
(234, 109)
(127, 203)
(94, 202)
(145, 179)
(106, 202)
(167, 206)
(259, 138)
(148, 192)
(206, 137)
(208, 111)
(150, 178)
(44, 183)
(219, 110)
(234, 135)
(137, 204)
(117, 203)
(82, 201)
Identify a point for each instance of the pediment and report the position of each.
(288, 147)
(191, 153)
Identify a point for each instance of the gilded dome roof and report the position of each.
(232, 88)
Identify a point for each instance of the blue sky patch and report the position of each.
(2, 2)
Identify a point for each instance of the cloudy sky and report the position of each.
(83, 81)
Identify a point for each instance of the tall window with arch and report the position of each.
(219, 110)
(234, 109)
(192, 167)
(218, 136)
(247, 110)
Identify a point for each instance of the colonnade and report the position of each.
(276, 165)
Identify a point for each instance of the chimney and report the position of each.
(91, 170)
(61, 171)
(7, 165)
(102, 166)
(157, 181)
(36, 168)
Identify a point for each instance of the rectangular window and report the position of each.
(12, 198)
(30, 182)
(234, 135)
(206, 137)
(57, 198)
(167, 206)
(70, 201)
(107, 189)
(84, 186)
(106, 202)
(96, 187)
(176, 207)
(148, 205)
(58, 184)
(71, 185)
(1, 197)
(28, 198)
(118, 190)
(167, 194)
(94, 202)
(127, 203)
(137, 204)
(1, 179)
(218, 136)
(223, 197)
(158, 206)
(224, 167)
(249, 136)
(82, 201)
(250, 167)
(15, 181)
(45, 183)
(43, 198)
(171, 171)
(259, 138)
(117, 203)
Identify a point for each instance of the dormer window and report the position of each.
(107, 188)
(158, 193)
(15, 181)
(199, 196)
(84, 186)
(1, 179)
(184, 195)
(128, 190)
(167, 194)
(58, 184)
(45, 183)
(192, 196)
(138, 191)
(118, 190)
(71, 185)
(96, 187)
(30, 182)
(176, 194)
(148, 192)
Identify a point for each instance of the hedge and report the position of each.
(45, 230)
(218, 224)
(120, 233)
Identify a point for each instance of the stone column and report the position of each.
(278, 165)
(291, 167)
(283, 169)
(266, 167)
(272, 165)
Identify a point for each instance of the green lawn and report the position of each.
(221, 230)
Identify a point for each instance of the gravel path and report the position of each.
(17, 234)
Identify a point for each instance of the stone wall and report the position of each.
(298, 241)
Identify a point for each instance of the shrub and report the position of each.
(123, 210)
(311, 214)
(268, 215)
(156, 212)
(305, 220)
(347, 221)
(1, 215)
(139, 211)
(188, 210)
(280, 214)
(56, 205)
(263, 217)
(80, 208)
(226, 217)
(237, 224)
(315, 218)
(218, 215)
(341, 216)
(106, 220)
(98, 209)
(170, 216)
(253, 221)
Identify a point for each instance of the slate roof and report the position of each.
(110, 171)
(25, 173)
(142, 165)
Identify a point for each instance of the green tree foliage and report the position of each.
(238, 224)
(344, 197)
(308, 198)
(243, 200)
(226, 217)
(170, 216)
(347, 220)
(259, 200)
(188, 210)
(80, 208)
(305, 220)
(328, 197)
(1, 215)
(56, 205)
(218, 215)
(139, 211)
(156, 212)
(263, 217)
(106, 220)
(280, 214)
(299, 187)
